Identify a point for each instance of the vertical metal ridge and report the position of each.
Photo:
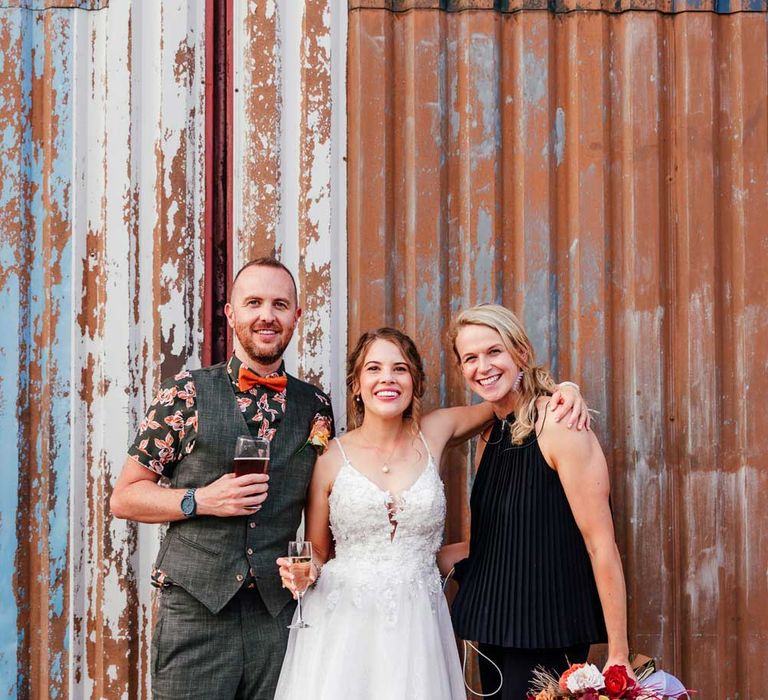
(730, 216)
(314, 192)
(369, 230)
(693, 348)
(741, 198)
(257, 130)
(215, 213)
(288, 64)
(670, 449)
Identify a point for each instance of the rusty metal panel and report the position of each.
(604, 174)
(101, 262)
(54, 4)
(36, 302)
(563, 6)
(289, 140)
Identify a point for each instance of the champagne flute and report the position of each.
(300, 562)
(251, 455)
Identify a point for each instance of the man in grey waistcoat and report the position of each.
(221, 627)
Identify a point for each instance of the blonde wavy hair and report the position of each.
(415, 367)
(536, 380)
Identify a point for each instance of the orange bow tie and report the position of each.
(246, 379)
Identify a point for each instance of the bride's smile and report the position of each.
(385, 382)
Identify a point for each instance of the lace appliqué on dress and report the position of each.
(384, 543)
(380, 623)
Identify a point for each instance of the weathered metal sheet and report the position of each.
(102, 261)
(563, 6)
(619, 207)
(288, 170)
(604, 175)
(101, 231)
(35, 272)
(54, 4)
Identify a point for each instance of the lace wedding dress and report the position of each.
(380, 627)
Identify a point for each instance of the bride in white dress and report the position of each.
(379, 624)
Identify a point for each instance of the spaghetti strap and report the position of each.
(544, 420)
(343, 454)
(426, 446)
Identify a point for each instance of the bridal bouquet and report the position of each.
(586, 682)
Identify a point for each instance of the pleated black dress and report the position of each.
(528, 581)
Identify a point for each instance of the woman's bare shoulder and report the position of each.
(329, 463)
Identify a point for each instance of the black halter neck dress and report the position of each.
(528, 582)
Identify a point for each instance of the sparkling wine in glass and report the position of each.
(251, 455)
(300, 562)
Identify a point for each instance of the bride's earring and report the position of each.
(518, 381)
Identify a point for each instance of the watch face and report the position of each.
(188, 504)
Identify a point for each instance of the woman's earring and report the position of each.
(518, 381)
(356, 398)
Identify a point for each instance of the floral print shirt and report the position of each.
(169, 429)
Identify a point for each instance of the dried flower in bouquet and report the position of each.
(586, 682)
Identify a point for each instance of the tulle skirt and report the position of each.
(373, 640)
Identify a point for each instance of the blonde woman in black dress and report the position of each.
(543, 577)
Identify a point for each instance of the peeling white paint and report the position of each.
(323, 201)
(131, 120)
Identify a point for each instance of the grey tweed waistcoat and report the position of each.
(210, 557)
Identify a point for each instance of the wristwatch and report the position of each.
(188, 503)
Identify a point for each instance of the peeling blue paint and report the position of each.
(485, 255)
(486, 76)
(43, 5)
(539, 289)
(535, 79)
(61, 300)
(453, 100)
(36, 256)
(14, 384)
(425, 300)
(57, 673)
(438, 110)
(9, 137)
(558, 136)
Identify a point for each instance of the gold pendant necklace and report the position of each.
(385, 466)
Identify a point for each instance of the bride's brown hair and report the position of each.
(412, 359)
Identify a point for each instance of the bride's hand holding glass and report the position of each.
(298, 572)
(295, 577)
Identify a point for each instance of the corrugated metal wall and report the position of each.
(621, 208)
(105, 275)
(101, 261)
(606, 176)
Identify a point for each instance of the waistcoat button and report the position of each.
(239, 577)
(251, 524)
(249, 550)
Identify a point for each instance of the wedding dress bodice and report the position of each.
(380, 625)
(383, 539)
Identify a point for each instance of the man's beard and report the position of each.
(260, 355)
